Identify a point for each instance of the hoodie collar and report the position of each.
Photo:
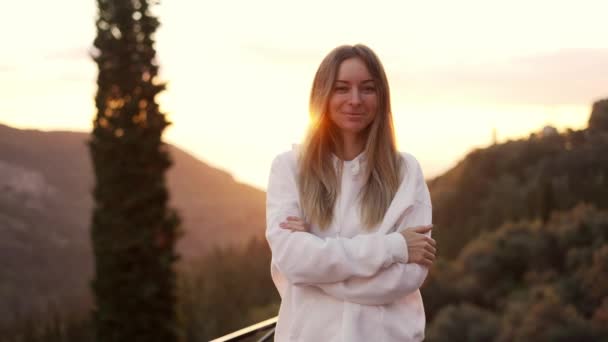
(353, 166)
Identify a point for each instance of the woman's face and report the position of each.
(354, 99)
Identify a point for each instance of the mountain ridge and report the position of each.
(522, 179)
(46, 182)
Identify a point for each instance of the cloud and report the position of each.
(70, 54)
(572, 76)
(566, 76)
(282, 55)
(7, 68)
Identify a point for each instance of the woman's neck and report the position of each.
(352, 146)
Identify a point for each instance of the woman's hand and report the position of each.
(295, 224)
(421, 248)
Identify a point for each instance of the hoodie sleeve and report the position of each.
(304, 258)
(398, 280)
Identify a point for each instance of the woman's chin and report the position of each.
(352, 128)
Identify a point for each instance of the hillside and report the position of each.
(45, 181)
(45, 207)
(521, 179)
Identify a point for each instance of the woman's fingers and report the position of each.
(292, 226)
(295, 224)
(422, 229)
(421, 248)
(425, 259)
(425, 262)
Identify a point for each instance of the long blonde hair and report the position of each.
(318, 177)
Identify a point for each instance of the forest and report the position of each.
(522, 228)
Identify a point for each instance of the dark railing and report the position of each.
(266, 328)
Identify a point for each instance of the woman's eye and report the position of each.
(341, 89)
(369, 89)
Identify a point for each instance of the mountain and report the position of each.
(521, 179)
(45, 203)
(523, 230)
(46, 180)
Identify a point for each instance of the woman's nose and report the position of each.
(355, 97)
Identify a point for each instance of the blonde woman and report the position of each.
(339, 209)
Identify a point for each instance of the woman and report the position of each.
(338, 208)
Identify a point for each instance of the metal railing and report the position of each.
(266, 326)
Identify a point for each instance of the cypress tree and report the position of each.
(133, 230)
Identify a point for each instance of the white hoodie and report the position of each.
(347, 284)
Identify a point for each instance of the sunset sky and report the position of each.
(239, 72)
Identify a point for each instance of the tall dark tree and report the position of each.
(133, 230)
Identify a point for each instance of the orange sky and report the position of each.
(239, 72)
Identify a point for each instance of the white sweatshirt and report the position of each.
(347, 284)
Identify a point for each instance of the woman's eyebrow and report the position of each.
(364, 81)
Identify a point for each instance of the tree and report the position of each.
(599, 116)
(464, 322)
(133, 230)
(547, 200)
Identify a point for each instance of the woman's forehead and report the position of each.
(353, 69)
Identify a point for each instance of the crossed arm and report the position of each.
(389, 284)
(370, 269)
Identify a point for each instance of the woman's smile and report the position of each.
(353, 103)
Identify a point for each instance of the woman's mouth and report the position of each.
(354, 117)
